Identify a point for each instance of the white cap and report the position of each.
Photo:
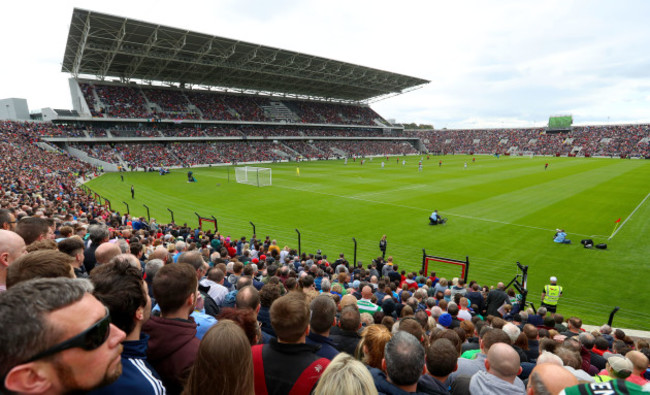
(553, 279)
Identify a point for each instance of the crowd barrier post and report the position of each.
(148, 216)
(355, 251)
(253, 225)
(172, 213)
(216, 224)
(299, 249)
(127, 207)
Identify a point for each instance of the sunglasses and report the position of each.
(90, 339)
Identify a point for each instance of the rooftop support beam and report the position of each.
(177, 47)
(82, 46)
(135, 64)
(108, 60)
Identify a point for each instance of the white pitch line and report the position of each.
(629, 216)
(426, 210)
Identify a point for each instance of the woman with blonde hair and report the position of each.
(371, 346)
(224, 363)
(345, 376)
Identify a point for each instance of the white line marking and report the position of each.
(629, 216)
(425, 210)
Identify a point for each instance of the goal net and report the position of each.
(257, 176)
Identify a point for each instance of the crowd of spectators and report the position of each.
(195, 311)
(346, 114)
(133, 101)
(103, 152)
(94, 300)
(304, 148)
(147, 155)
(607, 140)
(364, 147)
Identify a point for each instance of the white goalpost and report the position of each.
(257, 176)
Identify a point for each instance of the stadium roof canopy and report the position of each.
(110, 46)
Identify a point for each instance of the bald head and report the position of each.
(12, 247)
(348, 300)
(159, 253)
(106, 251)
(549, 378)
(366, 292)
(639, 362)
(503, 362)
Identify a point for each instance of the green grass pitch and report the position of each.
(500, 211)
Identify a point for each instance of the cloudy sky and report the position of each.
(490, 63)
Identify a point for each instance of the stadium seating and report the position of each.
(134, 101)
(40, 183)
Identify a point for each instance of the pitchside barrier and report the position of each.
(464, 265)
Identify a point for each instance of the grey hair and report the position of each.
(512, 331)
(325, 285)
(548, 357)
(535, 381)
(404, 358)
(24, 328)
(98, 233)
(151, 267)
(124, 246)
(128, 258)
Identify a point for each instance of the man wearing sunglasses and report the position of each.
(55, 337)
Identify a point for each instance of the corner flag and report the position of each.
(618, 221)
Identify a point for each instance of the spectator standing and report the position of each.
(173, 344)
(403, 365)
(215, 370)
(119, 286)
(56, 317)
(12, 247)
(287, 364)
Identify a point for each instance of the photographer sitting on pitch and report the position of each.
(560, 237)
(436, 219)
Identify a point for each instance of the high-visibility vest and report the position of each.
(552, 294)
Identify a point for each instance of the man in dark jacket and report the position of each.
(119, 286)
(98, 234)
(287, 361)
(348, 338)
(173, 344)
(441, 361)
(403, 363)
(495, 299)
(323, 314)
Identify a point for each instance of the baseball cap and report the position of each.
(553, 279)
(445, 320)
(355, 284)
(263, 257)
(255, 260)
(620, 364)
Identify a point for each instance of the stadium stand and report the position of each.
(257, 292)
